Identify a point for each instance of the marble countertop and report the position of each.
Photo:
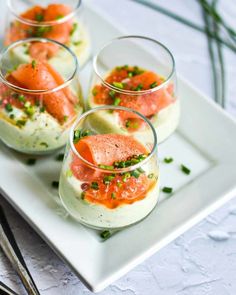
(203, 260)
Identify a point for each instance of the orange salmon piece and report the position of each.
(106, 149)
(38, 78)
(32, 13)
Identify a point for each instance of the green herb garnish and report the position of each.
(105, 234)
(94, 185)
(107, 167)
(78, 134)
(75, 25)
(21, 98)
(60, 16)
(59, 157)
(42, 109)
(168, 160)
(8, 107)
(94, 92)
(44, 144)
(55, 184)
(65, 118)
(39, 17)
(12, 116)
(113, 195)
(112, 94)
(107, 179)
(33, 63)
(20, 123)
(167, 190)
(31, 162)
(118, 85)
(77, 43)
(139, 87)
(151, 175)
(185, 169)
(153, 85)
(116, 101)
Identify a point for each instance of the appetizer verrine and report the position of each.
(38, 102)
(138, 73)
(109, 177)
(50, 19)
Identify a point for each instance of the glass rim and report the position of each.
(133, 92)
(117, 170)
(43, 23)
(35, 91)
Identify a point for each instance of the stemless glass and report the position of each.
(39, 101)
(59, 20)
(110, 176)
(139, 73)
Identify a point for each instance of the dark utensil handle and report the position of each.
(5, 290)
(12, 251)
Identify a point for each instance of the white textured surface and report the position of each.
(203, 260)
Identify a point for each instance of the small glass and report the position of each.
(59, 20)
(39, 100)
(139, 73)
(110, 176)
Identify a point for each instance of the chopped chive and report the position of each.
(65, 118)
(107, 179)
(107, 167)
(153, 85)
(185, 169)
(44, 144)
(118, 85)
(139, 87)
(119, 184)
(76, 136)
(31, 162)
(167, 190)
(59, 157)
(77, 43)
(126, 176)
(39, 17)
(140, 170)
(168, 160)
(55, 184)
(20, 123)
(135, 173)
(94, 185)
(75, 25)
(12, 116)
(69, 173)
(117, 101)
(130, 74)
(112, 94)
(127, 123)
(33, 63)
(60, 16)
(113, 195)
(151, 175)
(94, 92)
(42, 109)
(21, 98)
(8, 107)
(105, 234)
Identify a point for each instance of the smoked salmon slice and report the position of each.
(110, 190)
(40, 76)
(135, 79)
(105, 149)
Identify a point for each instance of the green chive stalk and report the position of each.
(188, 23)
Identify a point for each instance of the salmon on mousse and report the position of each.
(33, 121)
(141, 90)
(56, 22)
(103, 182)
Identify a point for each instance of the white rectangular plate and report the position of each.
(205, 141)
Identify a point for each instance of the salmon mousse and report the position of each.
(108, 181)
(141, 90)
(48, 22)
(31, 121)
